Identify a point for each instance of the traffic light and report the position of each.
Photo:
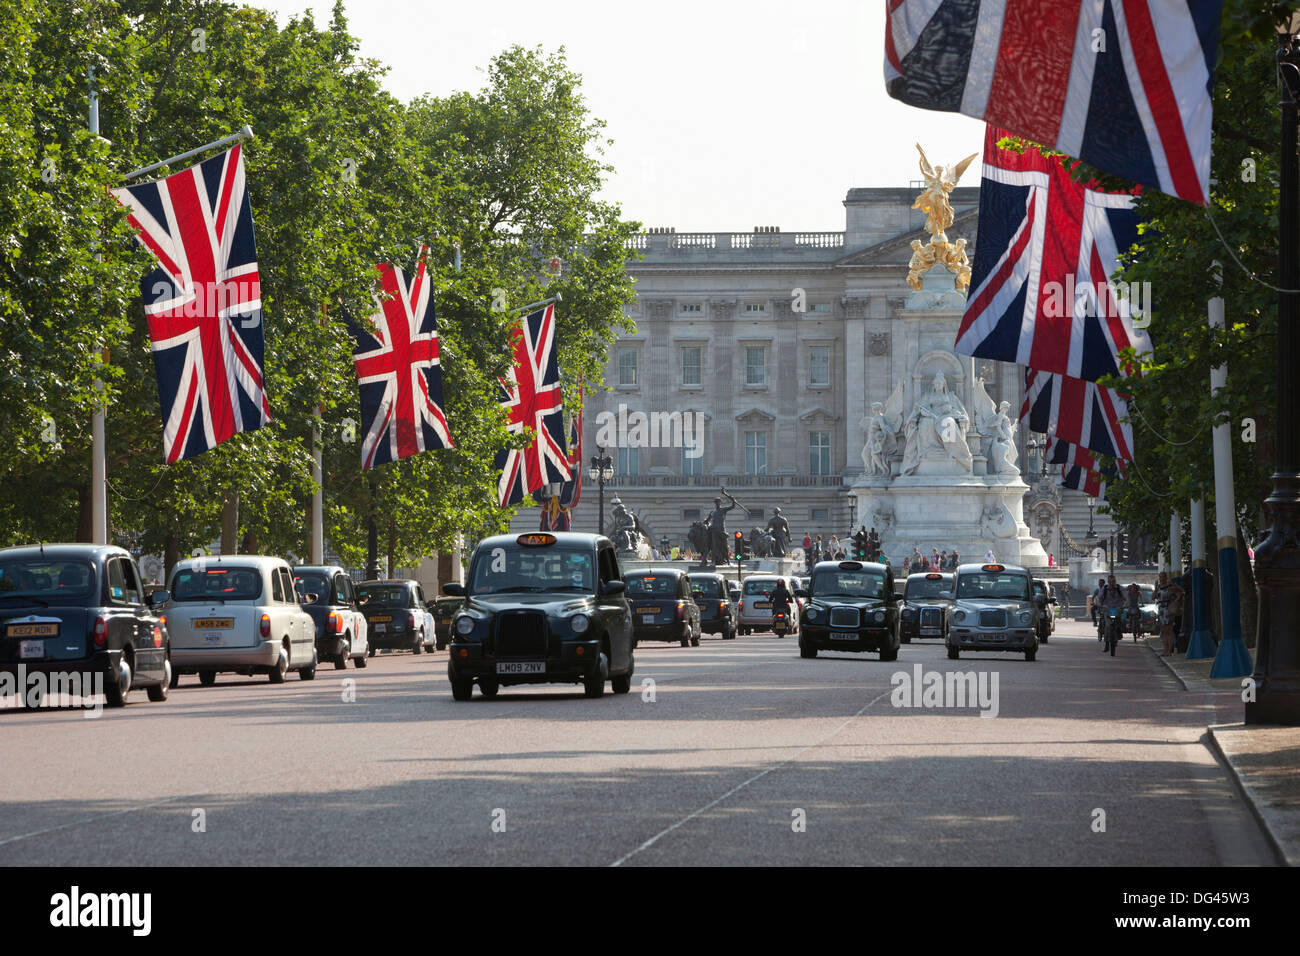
(740, 544)
(1121, 549)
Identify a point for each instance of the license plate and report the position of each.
(213, 623)
(762, 604)
(28, 650)
(647, 609)
(930, 630)
(380, 620)
(380, 628)
(521, 667)
(993, 638)
(843, 637)
(647, 618)
(33, 630)
(212, 638)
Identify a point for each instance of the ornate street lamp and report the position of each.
(601, 471)
(1092, 508)
(1277, 559)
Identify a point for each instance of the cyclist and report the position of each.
(1133, 611)
(1095, 601)
(1112, 597)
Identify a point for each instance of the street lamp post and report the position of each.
(1277, 559)
(601, 471)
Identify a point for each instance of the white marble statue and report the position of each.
(882, 518)
(997, 522)
(937, 427)
(1002, 446)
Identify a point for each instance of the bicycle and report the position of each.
(1112, 629)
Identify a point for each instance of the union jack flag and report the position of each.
(531, 395)
(398, 371)
(557, 512)
(202, 302)
(1063, 453)
(1081, 479)
(1040, 283)
(1083, 414)
(1122, 84)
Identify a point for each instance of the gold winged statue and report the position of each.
(939, 182)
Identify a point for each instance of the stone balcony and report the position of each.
(680, 248)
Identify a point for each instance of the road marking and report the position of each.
(758, 776)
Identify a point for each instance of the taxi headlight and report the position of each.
(959, 616)
(1026, 617)
(464, 624)
(909, 613)
(579, 623)
(811, 613)
(880, 616)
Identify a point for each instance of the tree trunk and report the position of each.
(230, 524)
(84, 513)
(249, 543)
(171, 556)
(1249, 595)
(392, 547)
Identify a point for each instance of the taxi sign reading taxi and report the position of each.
(993, 567)
(934, 576)
(536, 539)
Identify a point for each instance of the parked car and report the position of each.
(238, 613)
(754, 611)
(80, 609)
(327, 594)
(994, 610)
(396, 616)
(1047, 617)
(663, 607)
(444, 611)
(1148, 609)
(717, 611)
(542, 608)
(851, 606)
(927, 604)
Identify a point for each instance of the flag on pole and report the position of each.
(1123, 85)
(1081, 479)
(399, 372)
(557, 512)
(1083, 414)
(202, 302)
(530, 393)
(1040, 291)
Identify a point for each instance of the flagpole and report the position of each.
(99, 451)
(1232, 659)
(245, 132)
(534, 305)
(1201, 644)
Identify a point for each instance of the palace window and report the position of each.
(692, 466)
(756, 453)
(755, 307)
(629, 461)
(819, 453)
(755, 365)
(627, 366)
(692, 307)
(819, 366)
(691, 355)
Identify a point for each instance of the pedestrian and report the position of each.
(953, 562)
(1169, 598)
(807, 541)
(1094, 603)
(988, 556)
(907, 565)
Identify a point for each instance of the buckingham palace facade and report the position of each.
(755, 359)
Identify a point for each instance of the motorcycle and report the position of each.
(780, 623)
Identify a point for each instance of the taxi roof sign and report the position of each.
(934, 576)
(850, 565)
(993, 567)
(535, 539)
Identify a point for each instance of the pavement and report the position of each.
(1264, 761)
(730, 753)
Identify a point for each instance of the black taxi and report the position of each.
(927, 602)
(994, 610)
(80, 609)
(541, 608)
(663, 607)
(851, 606)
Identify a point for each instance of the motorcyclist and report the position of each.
(1112, 596)
(781, 599)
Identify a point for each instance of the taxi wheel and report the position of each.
(907, 639)
(461, 687)
(593, 683)
(807, 652)
(685, 642)
(281, 668)
(371, 651)
(1031, 654)
(488, 687)
(419, 645)
(309, 672)
(889, 653)
(158, 692)
(361, 661)
(622, 683)
(176, 679)
(341, 661)
(729, 634)
(207, 678)
(695, 641)
(119, 684)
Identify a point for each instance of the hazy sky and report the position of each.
(725, 115)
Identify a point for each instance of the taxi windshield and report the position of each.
(644, 584)
(760, 586)
(226, 584)
(924, 587)
(46, 579)
(993, 584)
(859, 584)
(518, 568)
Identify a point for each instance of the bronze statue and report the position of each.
(719, 546)
(779, 529)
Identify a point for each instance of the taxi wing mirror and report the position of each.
(800, 592)
(454, 589)
(610, 588)
(159, 597)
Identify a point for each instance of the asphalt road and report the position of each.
(740, 753)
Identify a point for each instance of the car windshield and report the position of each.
(226, 584)
(520, 568)
(1039, 588)
(395, 594)
(652, 584)
(709, 587)
(46, 579)
(924, 587)
(312, 582)
(993, 584)
(864, 584)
